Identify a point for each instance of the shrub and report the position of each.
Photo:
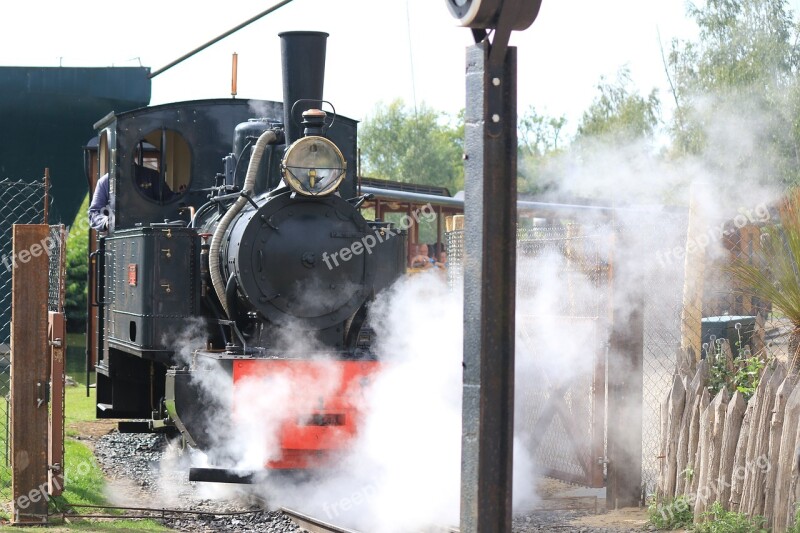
(670, 514)
(718, 520)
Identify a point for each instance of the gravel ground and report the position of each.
(573, 522)
(143, 473)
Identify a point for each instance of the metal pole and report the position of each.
(490, 215)
(625, 413)
(46, 194)
(625, 380)
(29, 383)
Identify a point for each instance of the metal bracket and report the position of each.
(495, 70)
(42, 393)
(247, 196)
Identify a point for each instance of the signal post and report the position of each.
(490, 216)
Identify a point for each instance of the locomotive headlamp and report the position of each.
(313, 166)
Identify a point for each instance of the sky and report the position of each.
(378, 51)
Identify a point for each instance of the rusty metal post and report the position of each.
(490, 216)
(46, 195)
(29, 372)
(57, 339)
(625, 391)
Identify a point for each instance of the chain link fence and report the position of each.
(566, 291)
(22, 203)
(691, 302)
(563, 308)
(663, 281)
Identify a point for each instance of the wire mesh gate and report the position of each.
(23, 203)
(563, 282)
(565, 279)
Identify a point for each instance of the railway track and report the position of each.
(312, 524)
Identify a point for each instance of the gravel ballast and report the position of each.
(143, 471)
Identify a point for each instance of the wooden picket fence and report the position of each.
(743, 455)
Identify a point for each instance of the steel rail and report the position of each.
(313, 525)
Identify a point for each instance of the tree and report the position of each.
(417, 146)
(619, 114)
(77, 267)
(741, 72)
(538, 144)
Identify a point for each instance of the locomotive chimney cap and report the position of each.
(314, 113)
(314, 122)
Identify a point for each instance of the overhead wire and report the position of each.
(219, 38)
(411, 56)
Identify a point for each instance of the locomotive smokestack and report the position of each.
(303, 62)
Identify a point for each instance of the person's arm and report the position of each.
(98, 209)
(420, 261)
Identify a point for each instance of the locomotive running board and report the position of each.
(221, 475)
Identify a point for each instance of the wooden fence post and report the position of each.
(753, 495)
(730, 436)
(694, 391)
(701, 406)
(794, 486)
(774, 452)
(709, 451)
(676, 402)
(740, 457)
(694, 270)
(29, 372)
(783, 499)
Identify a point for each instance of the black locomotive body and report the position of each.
(223, 217)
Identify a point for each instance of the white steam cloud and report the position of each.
(403, 472)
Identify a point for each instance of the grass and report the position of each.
(79, 408)
(85, 482)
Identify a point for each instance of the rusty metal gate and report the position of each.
(563, 309)
(563, 299)
(28, 203)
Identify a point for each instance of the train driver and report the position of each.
(99, 210)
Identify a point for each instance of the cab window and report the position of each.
(161, 163)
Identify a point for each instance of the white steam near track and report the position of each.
(404, 469)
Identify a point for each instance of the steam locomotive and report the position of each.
(223, 216)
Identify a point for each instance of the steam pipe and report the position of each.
(217, 280)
